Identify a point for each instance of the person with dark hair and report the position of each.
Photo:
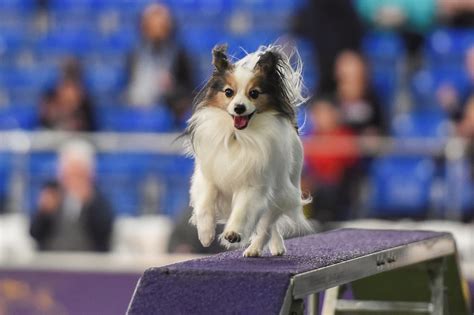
(359, 105)
(159, 68)
(331, 27)
(67, 106)
(72, 214)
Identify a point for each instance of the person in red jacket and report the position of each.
(331, 156)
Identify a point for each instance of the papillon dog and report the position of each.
(248, 155)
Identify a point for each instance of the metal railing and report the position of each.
(451, 150)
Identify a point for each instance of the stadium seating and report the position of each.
(385, 53)
(132, 182)
(426, 82)
(18, 118)
(134, 119)
(447, 46)
(102, 33)
(422, 123)
(401, 187)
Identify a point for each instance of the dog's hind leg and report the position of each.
(276, 244)
(262, 235)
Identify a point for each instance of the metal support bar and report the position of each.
(383, 306)
(313, 304)
(437, 287)
(330, 301)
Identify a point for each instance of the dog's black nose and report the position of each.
(239, 109)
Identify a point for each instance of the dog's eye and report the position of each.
(229, 92)
(254, 94)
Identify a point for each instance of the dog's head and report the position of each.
(260, 82)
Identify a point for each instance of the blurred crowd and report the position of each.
(73, 214)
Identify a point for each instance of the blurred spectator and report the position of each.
(457, 13)
(453, 98)
(416, 16)
(331, 26)
(184, 238)
(331, 158)
(67, 107)
(466, 123)
(159, 68)
(411, 18)
(72, 214)
(359, 105)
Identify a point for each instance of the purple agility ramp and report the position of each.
(228, 283)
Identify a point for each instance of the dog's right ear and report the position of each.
(219, 58)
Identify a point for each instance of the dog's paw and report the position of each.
(252, 252)
(277, 249)
(232, 237)
(206, 237)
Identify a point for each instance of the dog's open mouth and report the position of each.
(241, 122)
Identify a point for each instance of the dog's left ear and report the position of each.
(268, 62)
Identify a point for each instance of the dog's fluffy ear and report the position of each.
(219, 58)
(267, 62)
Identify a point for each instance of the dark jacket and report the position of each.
(331, 26)
(95, 221)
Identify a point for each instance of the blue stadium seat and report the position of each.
(401, 187)
(385, 83)
(35, 77)
(61, 43)
(19, 5)
(426, 82)
(18, 118)
(202, 39)
(447, 46)
(23, 97)
(105, 79)
(383, 46)
(120, 42)
(121, 177)
(384, 51)
(175, 171)
(11, 41)
(132, 119)
(421, 123)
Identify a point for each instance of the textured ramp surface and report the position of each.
(228, 283)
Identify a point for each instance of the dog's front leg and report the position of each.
(247, 207)
(203, 199)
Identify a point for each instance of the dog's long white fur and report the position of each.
(250, 178)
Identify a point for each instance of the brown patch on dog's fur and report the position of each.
(215, 95)
(263, 102)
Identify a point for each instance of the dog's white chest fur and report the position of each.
(252, 157)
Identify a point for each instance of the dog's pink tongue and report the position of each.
(240, 122)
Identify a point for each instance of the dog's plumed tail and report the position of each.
(295, 225)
